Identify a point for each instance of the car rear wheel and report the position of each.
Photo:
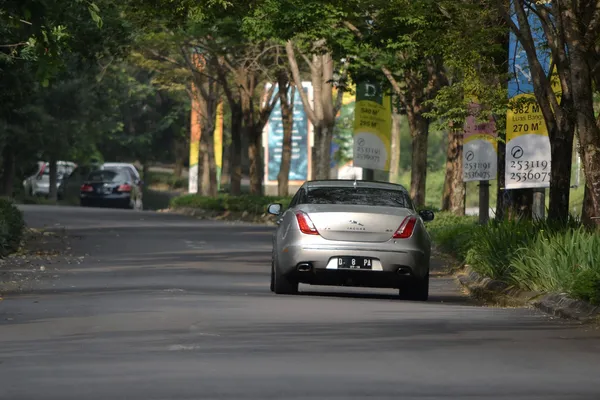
(283, 284)
(416, 290)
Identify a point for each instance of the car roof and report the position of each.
(351, 183)
(117, 164)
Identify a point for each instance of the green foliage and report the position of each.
(12, 226)
(452, 234)
(254, 205)
(561, 262)
(533, 255)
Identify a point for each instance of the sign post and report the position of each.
(372, 129)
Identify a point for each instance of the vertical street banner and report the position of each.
(194, 144)
(198, 61)
(195, 134)
(299, 166)
(372, 127)
(528, 155)
(480, 148)
(218, 143)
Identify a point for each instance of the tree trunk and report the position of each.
(256, 161)
(419, 130)
(560, 178)
(53, 171)
(287, 118)
(323, 150)
(395, 156)
(235, 155)
(225, 171)
(587, 210)
(453, 198)
(181, 153)
(8, 171)
(209, 169)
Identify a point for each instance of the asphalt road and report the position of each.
(167, 307)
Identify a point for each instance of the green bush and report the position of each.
(452, 234)
(533, 255)
(561, 262)
(256, 205)
(498, 243)
(11, 227)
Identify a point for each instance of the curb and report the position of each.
(556, 304)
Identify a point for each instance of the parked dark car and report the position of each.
(111, 188)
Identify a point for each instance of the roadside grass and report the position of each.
(12, 227)
(531, 255)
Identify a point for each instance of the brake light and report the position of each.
(87, 188)
(406, 228)
(306, 225)
(124, 188)
(42, 170)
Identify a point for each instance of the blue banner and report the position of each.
(528, 152)
(299, 162)
(520, 81)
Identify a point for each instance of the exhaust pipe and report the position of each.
(304, 267)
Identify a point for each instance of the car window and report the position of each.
(359, 196)
(106, 176)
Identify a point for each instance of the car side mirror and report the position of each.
(274, 209)
(427, 215)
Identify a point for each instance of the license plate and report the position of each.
(355, 263)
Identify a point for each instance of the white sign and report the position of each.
(480, 149)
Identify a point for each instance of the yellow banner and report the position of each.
(372, 127)
(218, 139)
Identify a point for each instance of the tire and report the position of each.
(83, 203)
(416, 290)
(282, 284)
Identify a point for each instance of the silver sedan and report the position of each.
(351, 233)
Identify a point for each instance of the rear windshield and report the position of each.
(106, 176)
(359, 196)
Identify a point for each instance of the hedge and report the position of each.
(255, 205)
(532, 255)
(12, 226)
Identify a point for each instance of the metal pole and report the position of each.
(484, 202)
(539, 203)
(368, 174)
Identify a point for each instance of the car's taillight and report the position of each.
(124, 188)
(406, 228)
(87, 188)
(306, 225)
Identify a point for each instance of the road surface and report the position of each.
(167, 307)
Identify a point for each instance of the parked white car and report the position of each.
(38, 184)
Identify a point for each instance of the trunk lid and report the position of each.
(356, 223)
(103, 188)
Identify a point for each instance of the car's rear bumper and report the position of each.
(394, 265)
